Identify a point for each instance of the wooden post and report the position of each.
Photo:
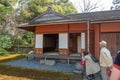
(88, 35)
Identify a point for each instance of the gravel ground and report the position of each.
(59, 66)
(62, 67)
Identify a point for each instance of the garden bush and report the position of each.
(2, 51)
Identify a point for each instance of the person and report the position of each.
(115, 75)
(91, 67)
(106, 60)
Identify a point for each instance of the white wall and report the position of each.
(63, 40)
(39, 41)
(79, 44)
(82, 40)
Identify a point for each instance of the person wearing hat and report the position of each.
(106, 60)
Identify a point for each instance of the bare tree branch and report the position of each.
(88, 6)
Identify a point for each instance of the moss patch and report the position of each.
(34, 74)
(11, 57)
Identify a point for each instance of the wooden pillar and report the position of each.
(97, 38)
(63, 44)
(88, 36)
(39, 44)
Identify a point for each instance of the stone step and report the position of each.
(47, 62)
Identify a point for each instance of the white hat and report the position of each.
(104, 43)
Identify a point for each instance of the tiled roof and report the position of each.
(97, 16)
(51, 17)
(45, 18)
(48, 16)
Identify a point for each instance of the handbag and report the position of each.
(109, 72)
(94, 58)
(82, 63)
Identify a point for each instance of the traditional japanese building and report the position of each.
(74, 33)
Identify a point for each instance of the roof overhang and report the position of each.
(32, 27)
(27, 27)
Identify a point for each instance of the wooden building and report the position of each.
(74, 33)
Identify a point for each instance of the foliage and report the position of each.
(116, 5)
(36, 7)
(28, 39)
(14, 12)
(2, 51)
(5, 40)
(3, 11)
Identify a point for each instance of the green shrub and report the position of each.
(5, 40)
(2, 51)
